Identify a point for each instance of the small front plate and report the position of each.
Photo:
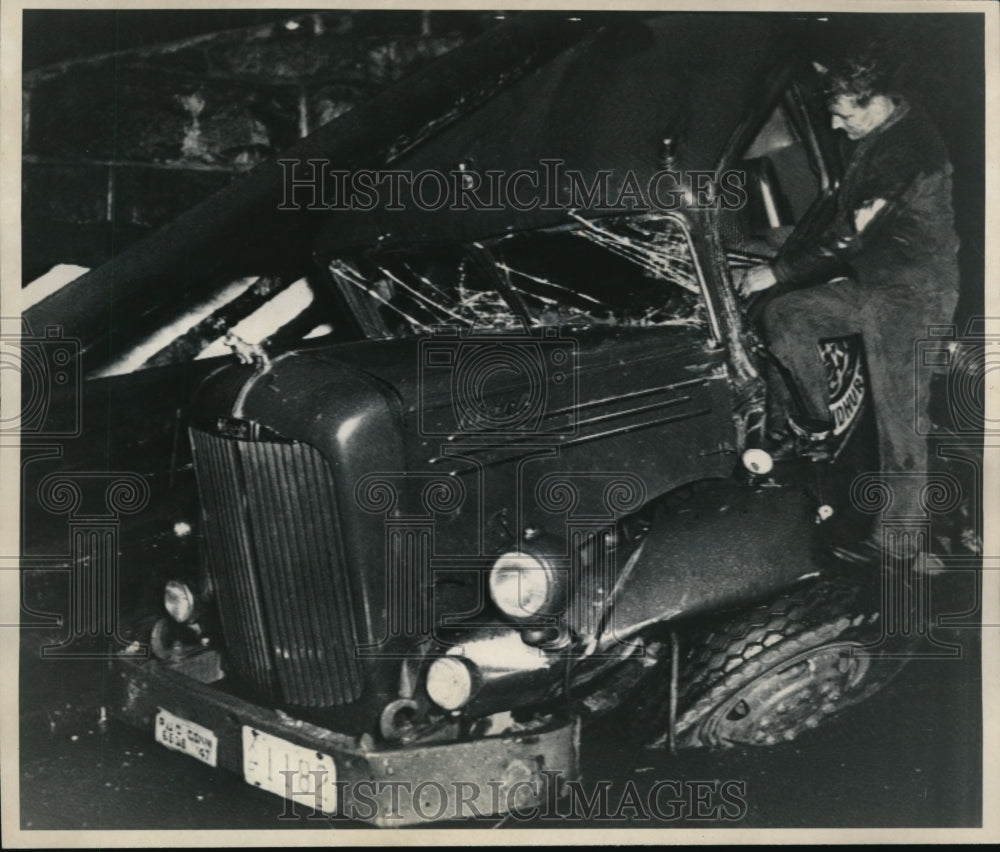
(290, 771)
(186, 737)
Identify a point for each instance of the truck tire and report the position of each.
(768, 674)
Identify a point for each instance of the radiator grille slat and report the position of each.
(229, 554)
(278, 554)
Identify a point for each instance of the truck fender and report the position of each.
(729, 544)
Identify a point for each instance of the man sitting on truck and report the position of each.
(885, 268)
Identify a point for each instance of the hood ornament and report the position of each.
(248, 353)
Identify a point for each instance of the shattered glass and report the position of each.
(628, 271)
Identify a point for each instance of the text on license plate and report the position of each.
(186, 737)
(288, 770)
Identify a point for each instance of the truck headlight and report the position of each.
(449, 683)
(178, 601)
(525, 584)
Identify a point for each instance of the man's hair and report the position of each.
(860, 76)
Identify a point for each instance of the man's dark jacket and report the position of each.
(911, 241)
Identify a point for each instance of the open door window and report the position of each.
(791, 167)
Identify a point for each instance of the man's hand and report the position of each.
(757, 279)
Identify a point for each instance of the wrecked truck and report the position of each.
(505, 495)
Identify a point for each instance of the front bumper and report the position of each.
(399, 786)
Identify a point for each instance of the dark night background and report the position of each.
(109, 157)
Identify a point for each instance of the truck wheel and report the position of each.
(768, 674)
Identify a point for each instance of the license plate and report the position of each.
(186, 737)
(290, 771)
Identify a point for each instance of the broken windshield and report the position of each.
(634, 271)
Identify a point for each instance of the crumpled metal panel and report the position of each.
(728, 544)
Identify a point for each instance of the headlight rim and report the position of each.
(553, 598)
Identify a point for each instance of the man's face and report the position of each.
(856, 121)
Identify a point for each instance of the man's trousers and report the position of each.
(891, 318)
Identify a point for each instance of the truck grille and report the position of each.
(272, 542)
